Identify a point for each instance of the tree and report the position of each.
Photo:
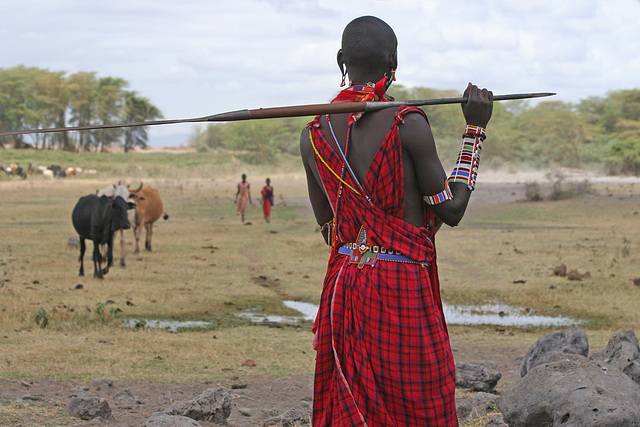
(110, 102)
(17, 102)
(137, 109)
(82, 88)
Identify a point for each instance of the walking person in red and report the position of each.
(379, 194)
(267, 200)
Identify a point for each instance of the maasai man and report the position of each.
(379, 194)
(243, 196)
(267, 200)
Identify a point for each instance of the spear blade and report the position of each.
(282, 112)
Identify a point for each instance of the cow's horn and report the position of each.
(139, 188)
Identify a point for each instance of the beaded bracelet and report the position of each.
(442, 196)
(466, 168)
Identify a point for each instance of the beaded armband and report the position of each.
(442, 196)
(466, 168)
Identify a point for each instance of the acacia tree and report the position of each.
(34, 98)
(110, 102)
(137, 109)
(17, 102)
(82, 87)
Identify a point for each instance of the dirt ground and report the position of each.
(255, 398)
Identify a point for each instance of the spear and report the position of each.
(289, 111)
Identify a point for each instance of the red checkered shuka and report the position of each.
(384, 357)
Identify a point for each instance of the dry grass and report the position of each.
(524, 242)
(40, 415)
(206, 265)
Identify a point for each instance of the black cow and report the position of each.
(97, 218)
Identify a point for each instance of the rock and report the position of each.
(160, 419)
(560, 270)
(623, 352)
(74, 242)
(124, 394)
(572, 341)
(247, 412)
(496, 421)
(463, 408)
(298, 415)
(213, 404)
(482, 404)
(102, 382)
(476, 377)
(574, 275)
(572, 391)
(89, 407)
(80, 392)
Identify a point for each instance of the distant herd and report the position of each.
(116, 208)
(49, 172)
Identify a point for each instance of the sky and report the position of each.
(194, 58)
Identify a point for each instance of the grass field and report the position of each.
(208, 266)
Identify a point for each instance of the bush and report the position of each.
(624, 157)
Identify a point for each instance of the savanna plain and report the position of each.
(59, 330)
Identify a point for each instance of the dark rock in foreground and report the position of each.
(476, 377)
(160, 419)
(572, 341)
(298, 415)
(89, 407)
(623, 352)
(572, 391)
(213, 405)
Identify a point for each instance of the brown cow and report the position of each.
(148, 210)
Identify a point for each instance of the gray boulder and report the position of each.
(623, 352)
(572, 341)
(572, 391)
(82, 391)
(463, 409)
(160, 419)
(213, 405)
(89, 407)
(476, 377)
(102, 382)
(482, 404)
(496, 421)
(298, 415)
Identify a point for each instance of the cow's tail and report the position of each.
(165, 216)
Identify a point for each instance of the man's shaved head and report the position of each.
(368, 42)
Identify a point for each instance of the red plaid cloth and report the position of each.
(384, 357)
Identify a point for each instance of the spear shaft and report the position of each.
(281, 112)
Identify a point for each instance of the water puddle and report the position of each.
(488, 314)
(500, 315)
(307, 312)
(171, 325)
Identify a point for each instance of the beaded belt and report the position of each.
(368, 255)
